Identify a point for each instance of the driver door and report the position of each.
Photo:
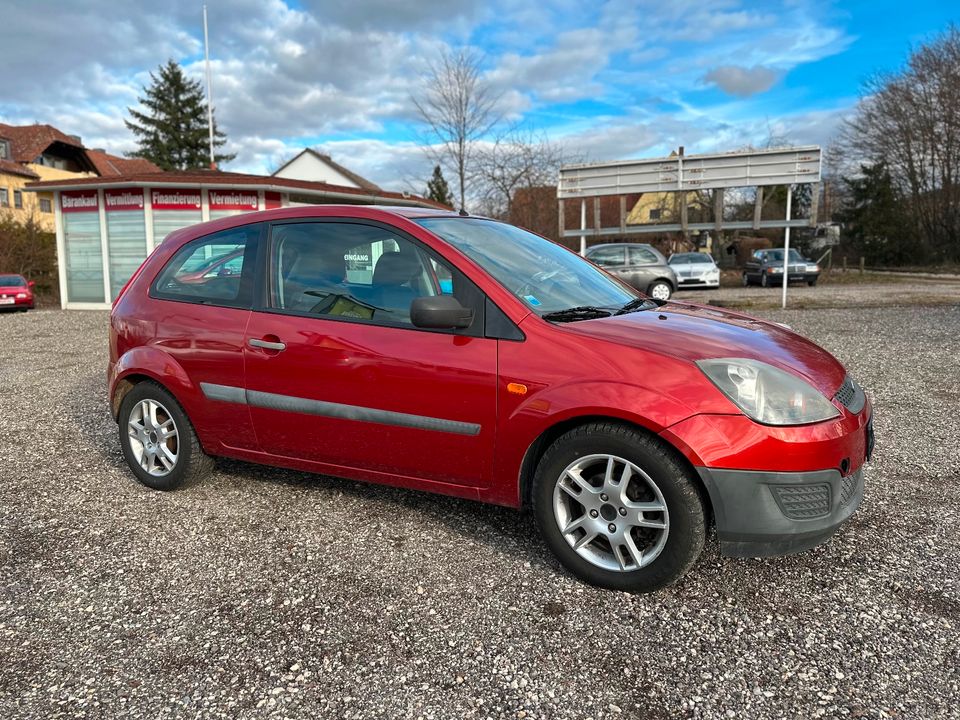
(337, 374)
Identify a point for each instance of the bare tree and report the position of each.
(518, 159)
(910, 123)
(458, 108)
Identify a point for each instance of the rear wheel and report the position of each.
(660, 290)
(746, 280)
(618, 509)
(764, 280)
(158, 441)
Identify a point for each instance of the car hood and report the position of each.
(694, 332)
(13, 289)
(702, 267)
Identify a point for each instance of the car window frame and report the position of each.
(262, 294)
(623, 256)
(248, 277)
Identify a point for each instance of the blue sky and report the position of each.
(606, 80)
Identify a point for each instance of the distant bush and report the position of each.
(28, 249)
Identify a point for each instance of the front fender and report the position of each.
(534, 415)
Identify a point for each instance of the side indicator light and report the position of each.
(517, 388)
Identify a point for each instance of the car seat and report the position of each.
(392, 280)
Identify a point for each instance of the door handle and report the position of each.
(266, 344)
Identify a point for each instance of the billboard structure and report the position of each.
(684, 174)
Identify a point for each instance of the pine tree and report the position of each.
(437, 188)
(173, 133)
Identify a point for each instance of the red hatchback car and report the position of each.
(527, 377)
(16, 292)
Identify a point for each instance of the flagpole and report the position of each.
(206, 56)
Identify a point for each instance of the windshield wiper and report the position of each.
(638, 304)
(582, 312)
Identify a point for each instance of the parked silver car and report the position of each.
(637, 264)
(695, 269)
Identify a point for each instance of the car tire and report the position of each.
(658, 477)
(161, 457)
(746, 280)
(660, 290)
(811, 283)
(764, 280)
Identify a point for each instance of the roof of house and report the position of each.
(108, 165)
(352, 176)
(14, 168)
(220, 179)
(27, 142)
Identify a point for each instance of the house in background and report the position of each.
(42, 153)
(314, 166)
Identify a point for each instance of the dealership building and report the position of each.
(107, 226)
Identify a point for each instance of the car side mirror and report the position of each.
(440, 312)
(31, 284)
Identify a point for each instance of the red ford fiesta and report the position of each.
(469, 357)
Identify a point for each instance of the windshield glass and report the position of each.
(689, 258)
(777, 256)
(12, 281)
(542, 274)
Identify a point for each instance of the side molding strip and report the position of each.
(289, 403)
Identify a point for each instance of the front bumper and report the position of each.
(759, 514)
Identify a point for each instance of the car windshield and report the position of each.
(683, 258)
(545, 276)
(777, 256)
(12, 281)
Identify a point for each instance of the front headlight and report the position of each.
(21, 295)
(813, 268)
(767, 394)
(776, 269)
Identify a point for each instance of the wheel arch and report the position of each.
(539, 446)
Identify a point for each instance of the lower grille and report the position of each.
(848, 487)
(803, 502)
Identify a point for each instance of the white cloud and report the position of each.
(742, 81)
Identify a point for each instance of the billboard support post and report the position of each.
(786, 248)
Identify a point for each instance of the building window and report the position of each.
(4, 149)
(45, 205)
(655, 214)
(17, 199)
(4, 197)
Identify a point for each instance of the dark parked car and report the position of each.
(766, 268)
(639, 265)
(16, 292)
(468, 357)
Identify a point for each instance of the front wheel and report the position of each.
(812, 282)
(618, 509)
(660, 290)
(764, 280)
(746, 280)
(158, 441)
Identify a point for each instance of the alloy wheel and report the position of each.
(154, 438)
(611, 512)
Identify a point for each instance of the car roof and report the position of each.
(620, 244)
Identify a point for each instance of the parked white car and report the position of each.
(695, 269)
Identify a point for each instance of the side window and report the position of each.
(214, 270)
(607, 257)
(641, 256)
(351, 270)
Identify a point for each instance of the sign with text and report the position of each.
(174, 199)
(120, 200)
(72, 201)
(233, 200)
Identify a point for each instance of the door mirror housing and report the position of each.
(31, 284)
(440, 312)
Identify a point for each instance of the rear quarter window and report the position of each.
(214, 270)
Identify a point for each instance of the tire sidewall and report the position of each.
(687, 522)
(186, 446)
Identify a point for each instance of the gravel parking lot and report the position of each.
(269, 593)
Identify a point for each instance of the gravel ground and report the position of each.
(268, 593)
(841, 293)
